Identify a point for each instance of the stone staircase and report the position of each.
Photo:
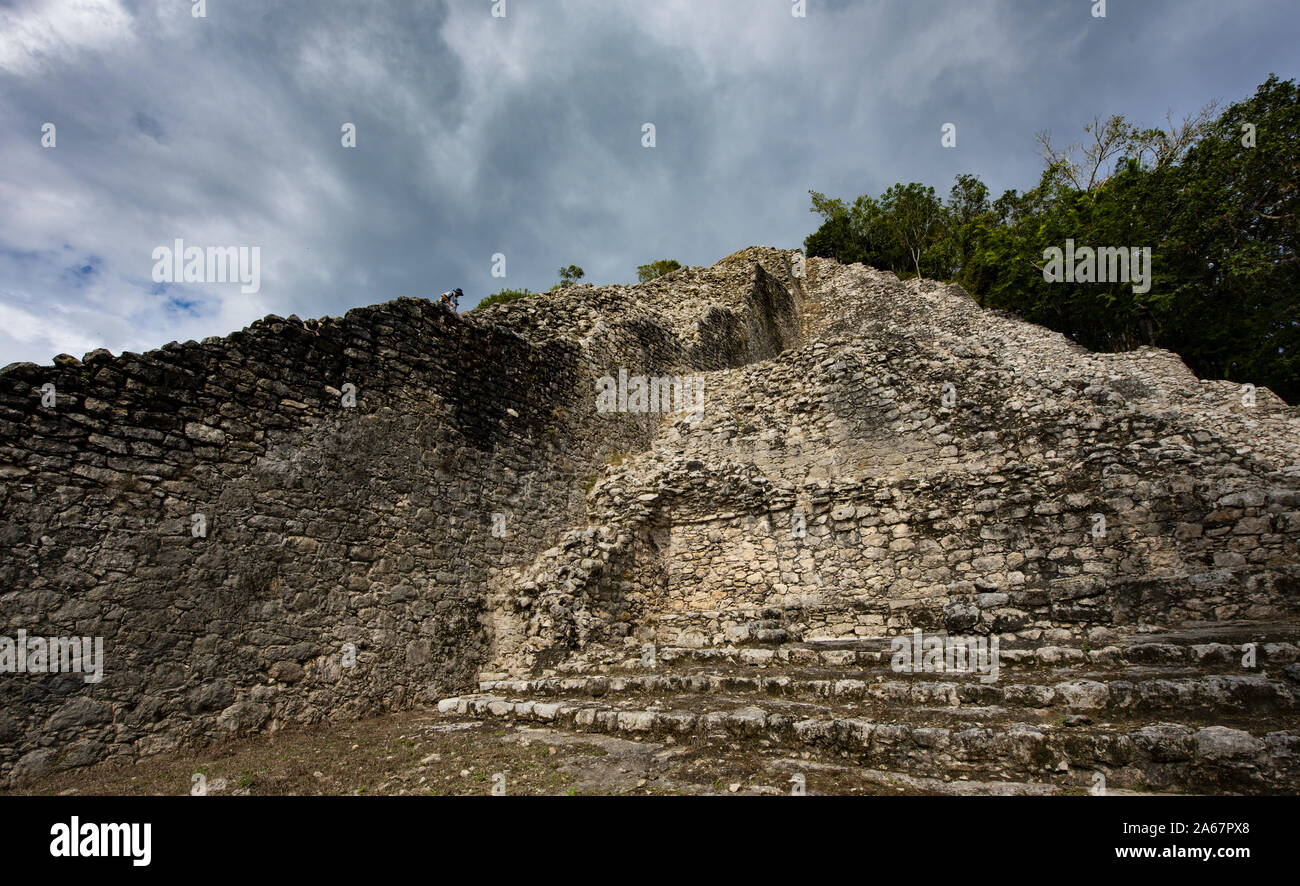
(1173, 711)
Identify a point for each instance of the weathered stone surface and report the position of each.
(1219, 742)
(872, 457)
(243, 716)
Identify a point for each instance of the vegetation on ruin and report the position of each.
(1216, 196)
(505, 295)
(646, 273)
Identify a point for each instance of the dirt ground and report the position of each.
(425, 753)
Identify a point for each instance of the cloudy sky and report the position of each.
(523, 135)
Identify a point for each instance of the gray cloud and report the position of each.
(523, 136)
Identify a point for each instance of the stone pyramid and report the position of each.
(878, 459)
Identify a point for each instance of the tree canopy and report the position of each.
(570, 275)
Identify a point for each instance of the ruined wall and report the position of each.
(955, 471)
(1002, 510)
(325, 525)
(872, 565)
(328, 527)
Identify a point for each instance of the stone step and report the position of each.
(876, 652)
(769, 630)
(1162, 755)
(1207, 695)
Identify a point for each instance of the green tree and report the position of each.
(570, 275)
(1233, 230)
(856, 233)
(655, 269)
(505, 295)
(835, 238)
(966, 218)
(915, 218)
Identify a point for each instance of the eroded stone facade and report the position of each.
(872, 457)
(335, 534)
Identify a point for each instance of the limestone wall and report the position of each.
(328, 528)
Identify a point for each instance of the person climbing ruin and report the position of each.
(452, 300)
